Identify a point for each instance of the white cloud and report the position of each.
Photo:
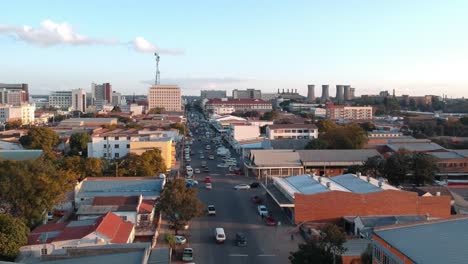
(140, 44)
(51, 33)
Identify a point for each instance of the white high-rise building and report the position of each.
(24, 112)
(79, 100)
(60, 99)
(165, 96)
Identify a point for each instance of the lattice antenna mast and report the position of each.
(156, 81)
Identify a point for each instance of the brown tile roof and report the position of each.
(146, 207)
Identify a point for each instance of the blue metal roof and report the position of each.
(354, 184)
(144, 187)
(305, 184)
(439, 242)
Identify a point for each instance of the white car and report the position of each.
(211, 210)
(202, 156)
(197, 170)
(208, 186)
(262, 210)
(180, 240)
(222, 165)
(242, 186)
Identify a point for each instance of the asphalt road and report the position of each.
(235, 213)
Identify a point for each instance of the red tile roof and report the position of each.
(146, 207)
(109, 225)
(123, 233)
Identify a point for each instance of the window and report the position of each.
(123, 217)
(105, 155)
(144, 217)
(105, 145)
(128, 146)
(116, 138)
(128, 138)
(116, 146)
(116, 155)
(105, 138)
(43, 251)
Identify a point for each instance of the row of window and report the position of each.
(381, 258)
(292, 137)
(454, 165)
(116, 146)
(293, 131)
(116, 138)
(116, 155)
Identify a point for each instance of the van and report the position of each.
(241, 240)
(187, 254)
(220, 236)
(189, 171)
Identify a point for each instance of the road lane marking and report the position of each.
(266, 255)
(238, 255)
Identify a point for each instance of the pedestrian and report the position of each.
(292, 237)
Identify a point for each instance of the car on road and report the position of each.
(220, 236)
(202, 156)
(211, 210)
(207, 179)
(206, 169)
(222, 165)
(208, 186)
(241, 240)
(254, 185)
(180, 240)
(200, 151)
(242, 186)
(203, 163)
(211, 157)
(197, 170)
(256, 200)
(187, 254)
(262, 210)
(270, 221)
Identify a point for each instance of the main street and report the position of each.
(235, 213)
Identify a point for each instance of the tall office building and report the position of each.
(246, 94)
(339, 93)
(102, 92)
(60, 99)
(17, 93)
(79, 100)
(325, 95)
(165, 96)
(310, 93)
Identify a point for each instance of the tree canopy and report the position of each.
(13, 124)
(179, 203)
(116, 109)
(156, 110)
(344, 137)
(13, 235)
(181, 127)
(317, 143)
(149, 163)
(79, 142)
(272, 115)
(40, 138)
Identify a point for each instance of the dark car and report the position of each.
(254, 185)
(241, 240)
(256, 200)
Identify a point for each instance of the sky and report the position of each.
(415, 47)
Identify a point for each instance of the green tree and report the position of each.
(13, 235)
(310, 253)
(374, 166)
(170, 239)
(79, 142)
(156, 110)
(424, 168)
(366, 256)
(40, 138)
(272, 115)
(181, 127)
(332, 240)
(397, 167)
(179, 203)
(345, 137)
(149, 163)
(325, 125)
(368, 126)
(14, 124)
(317, 143)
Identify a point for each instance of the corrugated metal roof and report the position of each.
(145, 187)
(20, 154)
(354, 184)
(446, 155)
(415, 147)
(336, 155)
(430, 243)
(305, 184)
(275, 158)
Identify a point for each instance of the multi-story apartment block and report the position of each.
(79, 100)
(292, 131)
(239, 105)
(165, 96)
(24, 112)
(211, 94)
(246, 94)
(20, 89)
(339, 112)
(102, 92)
(61, 99)
(116, 144)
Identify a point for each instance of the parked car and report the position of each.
(206, 169)
(262, 210)
(254, 185)
(256, 199)
(270, 221)
(211, 157)
(211, 210)
(242, 186)
(208, 186)
(197, 170)
(187, 254)
(207, 179)
(241, 240)
(180, 240)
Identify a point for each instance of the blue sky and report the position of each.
(415, 47)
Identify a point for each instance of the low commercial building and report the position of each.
(340, 112)
(60, 99)
(292, 131)
(263, 163)
(438, 241)
(107, 229)
(310, 198)
(117, 143)
(239, 105)
(88, 122)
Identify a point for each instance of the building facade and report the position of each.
(61, 99)
(165, 96)
(337, 112)
(292, 131)
(117, 99)
(102, 92)
(211, 94)
(79, 100)
(246, 94)
(14, 90)
(24, 112)
(239, 105)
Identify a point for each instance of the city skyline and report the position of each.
(262, 45)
